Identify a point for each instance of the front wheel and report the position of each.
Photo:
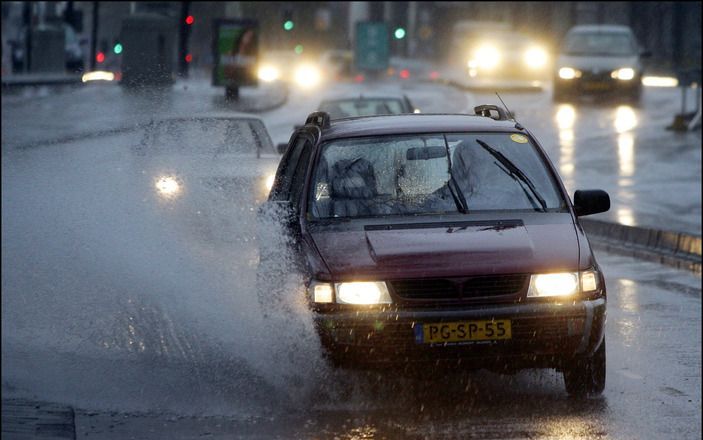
(586, 375)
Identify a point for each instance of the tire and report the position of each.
(586, 375)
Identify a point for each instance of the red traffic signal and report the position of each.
(100, 57)
(190, 20)
(189, 58)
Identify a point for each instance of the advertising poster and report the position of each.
(236, 49)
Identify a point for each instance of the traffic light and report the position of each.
(100, 57)
(117, 48)
(399, 33)
(288, 23)
(190, 20)
(298, 49)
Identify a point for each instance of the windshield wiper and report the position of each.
(516, 173)
(453, 186)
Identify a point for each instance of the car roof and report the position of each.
(600, 28)
(413, 123)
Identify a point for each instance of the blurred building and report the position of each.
(671, 30)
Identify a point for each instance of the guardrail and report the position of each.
(677, 249)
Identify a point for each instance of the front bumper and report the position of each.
(543, 335)
(597, 84)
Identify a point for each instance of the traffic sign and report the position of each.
(371, 48)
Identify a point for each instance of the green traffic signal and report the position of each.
(117, 49)
(399, 34)
(298, 49)
(288, 25)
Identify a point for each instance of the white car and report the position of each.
(599, 59)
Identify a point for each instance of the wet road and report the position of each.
(116, 304)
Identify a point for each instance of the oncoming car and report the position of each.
(599, 59)
(442, 239)
(367, 105)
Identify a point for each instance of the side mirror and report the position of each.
(281, 148)
(591, 201)
(297, 126)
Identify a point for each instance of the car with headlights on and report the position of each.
(290, 67)
(599, 59)
(430, 240)
(507, 59)
(190, 166)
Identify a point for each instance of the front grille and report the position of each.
(493, 285)
(459, 288)
(426, 289)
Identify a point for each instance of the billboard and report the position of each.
(236, 52)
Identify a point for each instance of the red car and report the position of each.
(446, 239)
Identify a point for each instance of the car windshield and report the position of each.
(431, 174)
(362, 107)
(601, 43)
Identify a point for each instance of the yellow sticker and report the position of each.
(520, 139)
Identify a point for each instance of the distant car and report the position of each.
(287, 66)
(440, 241)
(367, 105)
(223, 154)
(503, 55)
(599, 59)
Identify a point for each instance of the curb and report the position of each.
(24, 419)
(677, 249)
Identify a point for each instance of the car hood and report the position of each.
(413, 251)
(597, 63)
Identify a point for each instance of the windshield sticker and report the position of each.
(520, 139)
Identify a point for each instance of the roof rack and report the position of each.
(485, 110)
(321, 119)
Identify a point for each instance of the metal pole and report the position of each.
(94, 35)
(184, 30)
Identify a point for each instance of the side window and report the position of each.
(287, 167)
(289, 173)
(298, 181)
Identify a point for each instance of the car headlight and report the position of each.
(569, 73)
(307, 76)
(167, 187)
(358, 292)
(625, 74)
(562, 284)
(268, 73)
(487, 57)
(365, 292)
(535, 58)
(269, 181)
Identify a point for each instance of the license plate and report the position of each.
(464, 331)
(595, 86)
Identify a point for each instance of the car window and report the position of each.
(281, 189)
(600, 43)
(392, 175)
(482, 165)
(361, 107)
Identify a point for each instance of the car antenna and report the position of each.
(512, 115)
